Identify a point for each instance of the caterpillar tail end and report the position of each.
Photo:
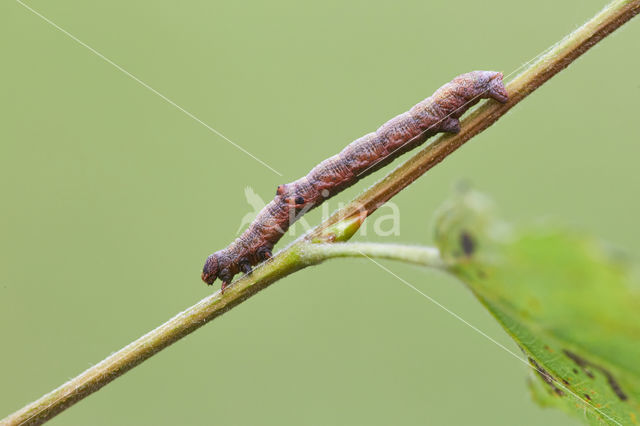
(497, 90)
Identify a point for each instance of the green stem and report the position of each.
(423, 256)
(302, 253)
(557, 58)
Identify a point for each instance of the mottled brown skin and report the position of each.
(438, 113)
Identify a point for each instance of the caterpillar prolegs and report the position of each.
(438, 113)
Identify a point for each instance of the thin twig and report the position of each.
(419, 255)
(555, 60)
(304, 252)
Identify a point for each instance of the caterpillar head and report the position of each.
(210, 269)
(214, 267)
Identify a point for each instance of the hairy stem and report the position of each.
(305, 252)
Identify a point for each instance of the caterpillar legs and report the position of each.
(450, 125)
(497, 90)
(264, 253)
(245, 267)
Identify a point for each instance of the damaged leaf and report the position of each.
(568, 302)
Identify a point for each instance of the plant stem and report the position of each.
(419, 255)
(295, 257)
(557, 58)
(303, 253)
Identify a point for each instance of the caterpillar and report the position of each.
(438, 113)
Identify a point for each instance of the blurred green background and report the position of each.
(112, 198)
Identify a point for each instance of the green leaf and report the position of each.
(570, 304)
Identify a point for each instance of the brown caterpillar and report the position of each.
(438, 113)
